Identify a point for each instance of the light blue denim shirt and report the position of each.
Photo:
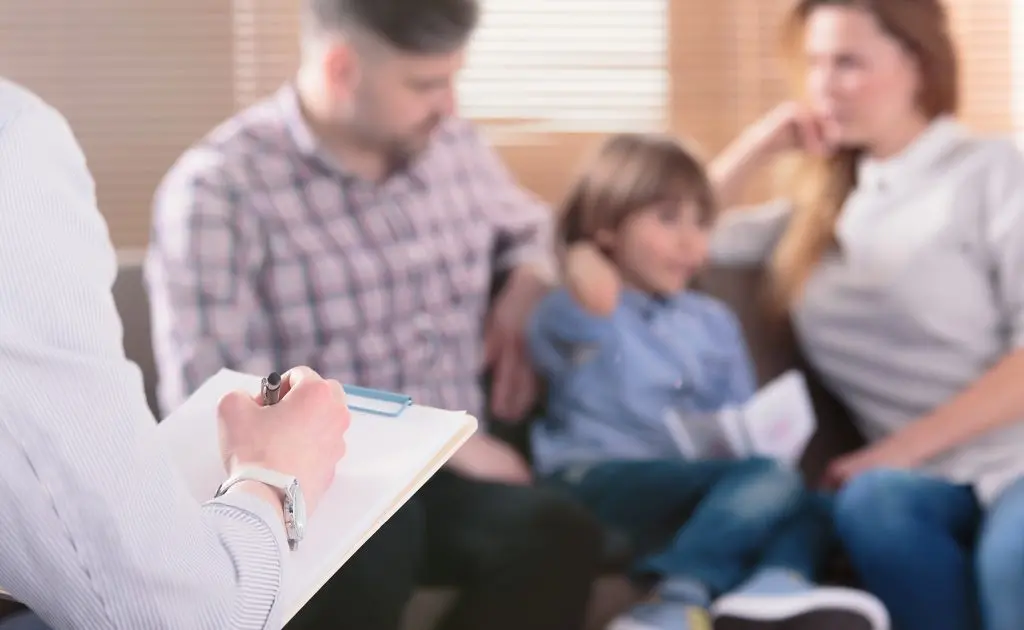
(612, 380)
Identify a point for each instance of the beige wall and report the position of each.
(141, 80)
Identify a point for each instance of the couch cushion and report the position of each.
(133, 307)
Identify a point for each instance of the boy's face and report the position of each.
(659, 249)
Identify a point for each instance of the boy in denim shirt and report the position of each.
(626, 348)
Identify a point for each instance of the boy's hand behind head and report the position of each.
(592, 279)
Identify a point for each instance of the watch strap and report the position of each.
(266, 476)
(286, 485)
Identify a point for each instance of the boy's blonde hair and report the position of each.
(630, 173)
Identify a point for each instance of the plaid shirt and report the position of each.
(265, 254)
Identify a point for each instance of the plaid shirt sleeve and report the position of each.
(202, 267)
(523, 224)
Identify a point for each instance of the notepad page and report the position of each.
(780, 420)
(388, 459)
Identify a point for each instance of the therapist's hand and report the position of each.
(302, 435)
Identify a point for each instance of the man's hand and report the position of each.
(513, 382)
(486, 458)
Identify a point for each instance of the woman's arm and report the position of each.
(996, 399)
(748, 235)
(732, 170)
(788, 127)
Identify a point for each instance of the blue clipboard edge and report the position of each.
(401, 400)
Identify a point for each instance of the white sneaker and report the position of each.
(780, 600)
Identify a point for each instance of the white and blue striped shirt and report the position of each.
(97, 531)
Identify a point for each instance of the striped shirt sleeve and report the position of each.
(97, 531)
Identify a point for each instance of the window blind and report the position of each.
(569, 65)
(138, 81)
(266, 47)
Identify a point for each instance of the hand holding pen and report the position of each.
(296, 425)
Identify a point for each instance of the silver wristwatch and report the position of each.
(291, 496)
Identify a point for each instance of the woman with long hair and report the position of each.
(898, 252)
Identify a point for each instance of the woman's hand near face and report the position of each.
(788, 127)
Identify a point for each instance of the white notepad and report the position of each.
(388, 459)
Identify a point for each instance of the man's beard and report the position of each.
(419, 139)
(403, 150)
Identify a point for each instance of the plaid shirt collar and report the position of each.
(310, 147)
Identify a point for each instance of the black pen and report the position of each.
(270, 388)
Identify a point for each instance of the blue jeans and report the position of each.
(712, 521)
(929, 551)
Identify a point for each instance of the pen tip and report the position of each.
(274, 379)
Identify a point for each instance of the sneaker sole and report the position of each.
(814, 620)
(832, 608)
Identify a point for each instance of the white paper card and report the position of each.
(387, 460)
(777, 422)
(705, 435)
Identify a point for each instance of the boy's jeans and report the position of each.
(713, 521)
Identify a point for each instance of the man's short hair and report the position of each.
(411, 26)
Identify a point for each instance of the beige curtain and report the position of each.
(141, 80)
